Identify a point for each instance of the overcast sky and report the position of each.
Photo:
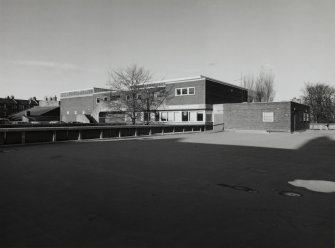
(51, 46)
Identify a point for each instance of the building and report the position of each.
(48, 110)
(189, 100)
(83, 105)
(37, 114)
(10, 105)
(194, 100)
(265, 116)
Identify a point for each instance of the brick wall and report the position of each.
(197, 98)
(73, 105)
(220, 93)
(249, 116)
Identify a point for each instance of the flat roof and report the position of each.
(94, 90)
(194, 78)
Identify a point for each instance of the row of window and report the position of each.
(76, 112)
(20, 107)
(185, 91)
(184, 116)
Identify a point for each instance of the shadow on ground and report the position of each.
(164, 193)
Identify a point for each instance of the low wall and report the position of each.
(53, 134)
(322, 126)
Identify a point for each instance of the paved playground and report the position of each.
(227, 189)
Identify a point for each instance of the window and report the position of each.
(83, 112)
(177, 117)
(105, 98)
(67, 112)
(138, 96)
(115, 97)
(146, 116)
(164, 116)
(98, 100)
(157, 116)
(191, 91)
(170, 116)
(200, 116)
(185, 91)
(267, 116)
(75, 112)
(306, 117)
(127, 97)
(185, 116)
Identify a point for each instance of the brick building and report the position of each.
(10, 105)
(189, 100)
(267, 116)
(196, 100)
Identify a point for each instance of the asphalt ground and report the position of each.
(196, 190)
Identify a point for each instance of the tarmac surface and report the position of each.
(227, 189)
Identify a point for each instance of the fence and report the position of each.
(25, 135)
(322, 126)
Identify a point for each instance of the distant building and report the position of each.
(190, 100)
(37, 114)
(10, 105)
(46, 111)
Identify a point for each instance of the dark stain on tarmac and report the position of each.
(237, 187)
(289, 194)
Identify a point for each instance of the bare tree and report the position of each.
(248, 82)
(260, 89)
(134, 94)
(321, 99)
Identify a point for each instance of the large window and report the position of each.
(185, 91)
(268, 117)
(185, 116)
(164, 116)
(171, 116)
(200, 116)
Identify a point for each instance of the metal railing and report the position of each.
(25, 135)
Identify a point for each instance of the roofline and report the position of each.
(218, 81)
(76, 90)
(176, 80)
(169, 81)
(284, 101)
(200, 77)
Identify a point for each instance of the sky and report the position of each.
(52, 46)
